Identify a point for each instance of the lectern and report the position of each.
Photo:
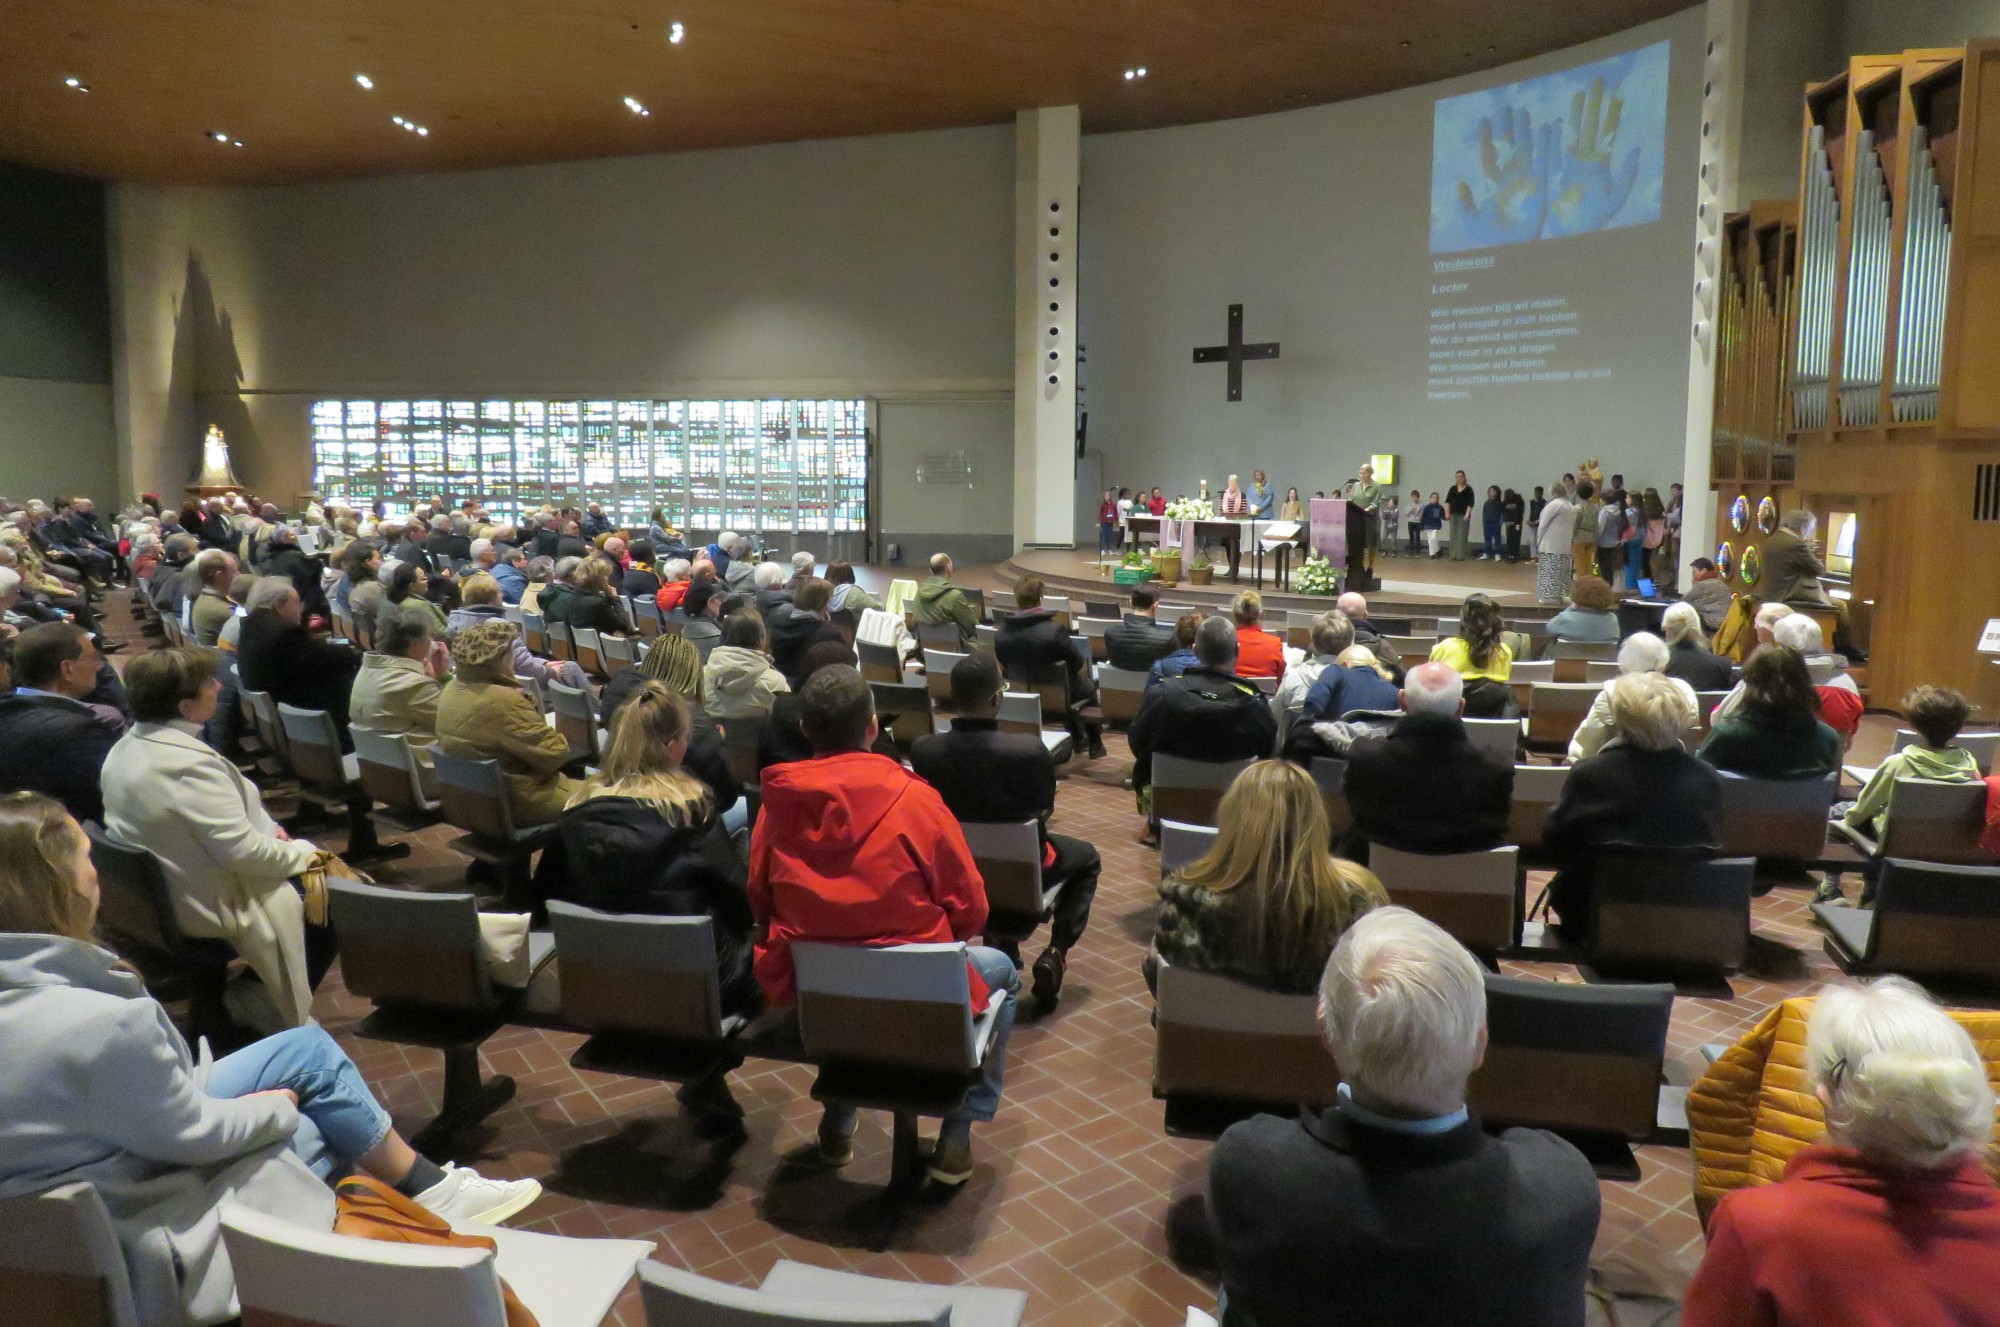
(1339, 534)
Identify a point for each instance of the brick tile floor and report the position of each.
(1079, 1197)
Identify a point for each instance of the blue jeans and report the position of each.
(339, 1118)
(982, 1099)
(1492, 545)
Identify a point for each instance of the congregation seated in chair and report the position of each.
(1423, 787)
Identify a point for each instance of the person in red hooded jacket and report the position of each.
(851, 848)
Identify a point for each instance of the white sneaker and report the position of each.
(466, 1195)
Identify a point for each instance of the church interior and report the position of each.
(996, 663)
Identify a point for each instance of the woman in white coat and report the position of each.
(99, 1088)
(229, 866)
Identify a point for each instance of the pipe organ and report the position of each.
(1858, 372)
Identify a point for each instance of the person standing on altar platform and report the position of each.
(1413, 520)
(1262, 501)
(1512, 511)
(1458, 501)
(1390, 523)
(1433, 523)
(1369, 495)
(1555, 560)
(1235, 502)
(1157, 504)
(1293, 510)
(1491, 517)
(1107, 523)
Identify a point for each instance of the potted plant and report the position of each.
(1201, 571)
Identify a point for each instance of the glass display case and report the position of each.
(757, 466)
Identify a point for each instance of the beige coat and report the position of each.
(740, 684)
(399, 697)
(483, 718)
(228, 872)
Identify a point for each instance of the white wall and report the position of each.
(878, 266)
(1317, 221)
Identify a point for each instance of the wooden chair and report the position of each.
(474, 796)
(1523, 676)
(1930, 921)
(1181, 844)
(892, 1029)
(1537, 789)
(1409, 651)
(1093, 631)
(420, 958)
(287, 1274)
(938, 636)
(644, 988)
(617, 654)
(880, 663)
(1498, 738)
(135, 915)
(802, 1295)
(937, 674)
(1705, 703)
(575, 721)
(589, 650)
(1930, 821)
(1475, 896)
(740, 740)
(1190, 791)
(1009, 857)
(535, 634)
(987, 640)
(1121, 693)
(1776, 818)
(646, 617)
(561, 646)
(1598, 673)
(392, 776)
(904, 711)
(270, 728)
(1584, 1061)
(1555, 711)
(61, 1263)
(1572, 657)
(1655, 910)
(1329, 773)
(1224, 1051)
(1105, 610)
(1021, 712)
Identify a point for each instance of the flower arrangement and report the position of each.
(1191, 509)
(1316, 576)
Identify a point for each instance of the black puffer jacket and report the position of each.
(55, 746)
(623, 856)
(793, 632)
(1204, 714)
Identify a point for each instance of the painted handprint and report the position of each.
(1587, 192)
(1509, 202)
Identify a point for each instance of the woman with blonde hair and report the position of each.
(99, 1088)
(1688, 657)
(644, 836)
(595, 604)
(1893, 1219)
(1269, 901)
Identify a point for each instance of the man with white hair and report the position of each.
(737, 575)
(1642, 652)
(1793, 572)
(772, 588)
(1394, 1206)
(802, 568)
(1424, 787)
(1892, 1219)
(1356, 607)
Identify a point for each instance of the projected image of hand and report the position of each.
(1588, 189)
(1509, 202)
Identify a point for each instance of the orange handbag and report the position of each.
(369, 1209)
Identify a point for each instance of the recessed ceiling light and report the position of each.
(633, 105)
(423, 131)
(236, 142)
(218, 135)
(675, 33)
(1142, 71)
(399, 121)
(365, 81)
(1136, 72)
(76, 83)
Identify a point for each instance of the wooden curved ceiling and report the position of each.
(500, 82)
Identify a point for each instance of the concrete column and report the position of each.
(1045, 174)
(1720, 129)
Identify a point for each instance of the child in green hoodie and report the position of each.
(1937, 714)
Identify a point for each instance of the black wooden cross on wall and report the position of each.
(1235, 352)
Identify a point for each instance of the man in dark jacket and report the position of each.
(408, 548)
(797, 626)
(641, 581)
(1207, 713)
(50, 741)
(276, 653)
(1356, 607)
(1394, 1206)
(1140, 640)
(988, 777)
(165, 588)
(1425, 788)
(287, 559)
(573, 544)
(450, 544)
(1032, 644)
